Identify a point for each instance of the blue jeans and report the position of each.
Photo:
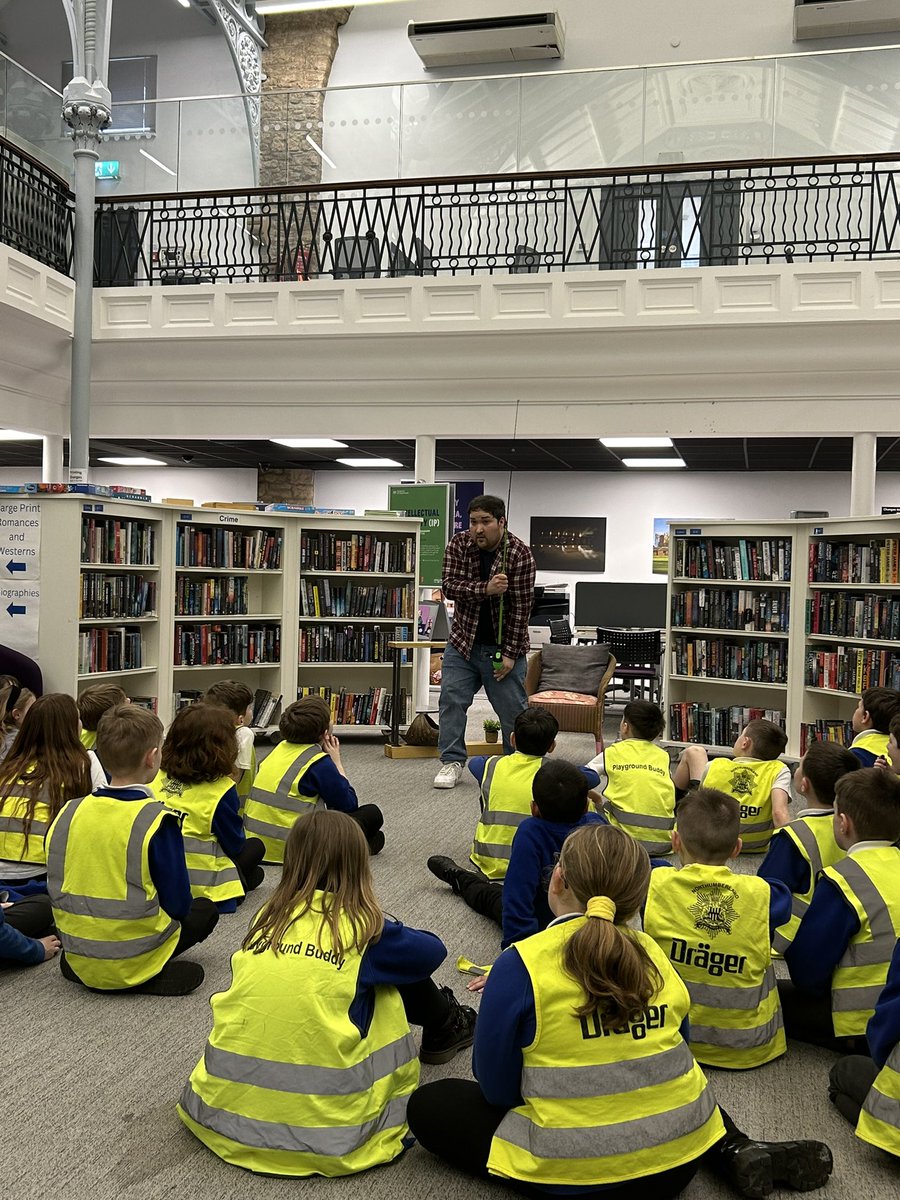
(460, 680)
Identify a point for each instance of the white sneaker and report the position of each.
(448, 775)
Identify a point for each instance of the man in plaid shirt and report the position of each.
(486, 571)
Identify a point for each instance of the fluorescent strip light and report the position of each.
(157, 163)
(13, 435)
(309, 443)
(369, 462)
(321, 153)
(185, 3)
(636, 443)
(653, 463)
(135, 462)
(265, 7)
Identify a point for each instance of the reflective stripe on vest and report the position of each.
(814, 838)
(505, 803)
(14, 845)
(212, 874)
(294, 1088)
(274, 803)
(879, 1118)
(713, 925)
(111, 942)
(869, 880)
(749, 781)
(601, 1106)
(640, 796)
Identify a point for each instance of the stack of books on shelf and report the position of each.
(224, 645)
(185, 696)
(251, 549)
(321, 550)
(732, 608)
(715, 726)
(825, 731)
(874, 561)
(766, 559)
(719, 658)
(852, 669)
(328, 599)
(112, 648)
(372, 707)
(116, 596)
(125, 543)
(350, 643)
(218, 596)
(148, 702)
(846, 614)
(265, 706)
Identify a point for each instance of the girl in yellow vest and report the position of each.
(15, 702)
(196, 780)
(310, 1062)
(237, 699)
(585, 1079)
(47, 767)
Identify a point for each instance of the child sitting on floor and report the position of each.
(26, 931)
(237, 698)
(93, 702)
(15, 702)
(757, 780)
(872, 718)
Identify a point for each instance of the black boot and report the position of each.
(457, 1032)
(754, 1168)
(446, 870)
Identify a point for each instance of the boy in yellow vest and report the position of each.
(890, 760)
(799, 851)
(872, 718)
(757, 780)
(867, 1090)
(117, 875)
(238, 699)
(716, 927)
(93, 702)
(839, 958)
(638, 791)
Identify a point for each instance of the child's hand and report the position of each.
(477, 984)
(52, 946)
(331, 745)
(882, 762)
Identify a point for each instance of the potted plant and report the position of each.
(491, 729)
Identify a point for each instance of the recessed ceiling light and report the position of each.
(654, 463)
(134, 462)
(309, 443)
(636, 443)
(13, 435)
(369, 462)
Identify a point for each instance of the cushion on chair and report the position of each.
(573, 668)
(564, 698)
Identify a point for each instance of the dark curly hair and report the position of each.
(201, 744)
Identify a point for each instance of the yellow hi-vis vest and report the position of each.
(287, 1085)
(869, 880)
(640, 795)
(14, 845)
(505, 803)
(105, 905)
(602, 1106)
(813, 835)
(870, 739)
(750, 781)
(88, 738)
(211, 872)
(275, 803)
(714, 927)
(879, 1117)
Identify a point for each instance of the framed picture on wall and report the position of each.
(660, 545)
(575, 544)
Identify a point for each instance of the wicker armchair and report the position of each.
(574, 715)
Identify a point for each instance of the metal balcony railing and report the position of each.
(37, 209)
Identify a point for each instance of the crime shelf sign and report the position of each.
(20, 575)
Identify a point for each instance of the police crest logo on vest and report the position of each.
(743, 781)
(714, 911)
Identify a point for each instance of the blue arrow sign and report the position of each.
(16, 610)
(16, 566)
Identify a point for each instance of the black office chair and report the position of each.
(560, 633)
(401, 264)
(356, 258)
(637, 653)
(527, 261)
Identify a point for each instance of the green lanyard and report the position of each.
(502, 571)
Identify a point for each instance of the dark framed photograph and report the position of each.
(569, 544)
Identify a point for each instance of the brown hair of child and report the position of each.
(768, 739)
(96, 699)
(709, 824)
(201, 745)
(824, 763)
(870, 798)
(124, 735)
(230, 694)
(882, 704)
(14, 702)
(304, 721)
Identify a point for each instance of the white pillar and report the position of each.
(52, 467)
(425, 458)
(862, 476)
(425, 447)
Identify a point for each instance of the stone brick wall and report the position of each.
(286, 485)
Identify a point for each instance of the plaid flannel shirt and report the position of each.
(462, 583)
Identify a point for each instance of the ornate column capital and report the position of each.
(86, 110)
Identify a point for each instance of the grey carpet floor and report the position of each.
(90, 1082)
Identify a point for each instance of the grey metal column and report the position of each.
(862, 475)
(52, 466)
(425, 458)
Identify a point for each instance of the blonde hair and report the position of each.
(325, 852)
(614, 970)
(97, 699)
(13, 698)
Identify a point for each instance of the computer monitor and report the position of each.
(621, 605)
(433, 625)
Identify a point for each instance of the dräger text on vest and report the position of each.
(307, 949)
(705, 959)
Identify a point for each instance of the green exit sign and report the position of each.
(107, 170)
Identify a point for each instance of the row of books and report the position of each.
(733, 608)
(265, 706)
(740, 558)
(117, 542)
(875, 561)
(110, 648)
(852, 669)
(825, 731)
(719, 658)
(373, 707)
(327, 599)
(202, 546)
(715, 726)
(321, 550)
(115, 596)
(222, 645)
(849, 615)
(80, 489)
(218, 596)
(350, 643)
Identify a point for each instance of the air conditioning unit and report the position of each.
(844, 18)
(488, 40)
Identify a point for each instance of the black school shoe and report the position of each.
(376, 843)
(446, 870)
(177, 978)
(755, 1168)
(457, 1032)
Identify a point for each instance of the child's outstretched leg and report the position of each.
(447, 1025)
(754, 1169)
(482, 895)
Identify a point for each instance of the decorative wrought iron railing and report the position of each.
(707, 214)
(37, 209)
